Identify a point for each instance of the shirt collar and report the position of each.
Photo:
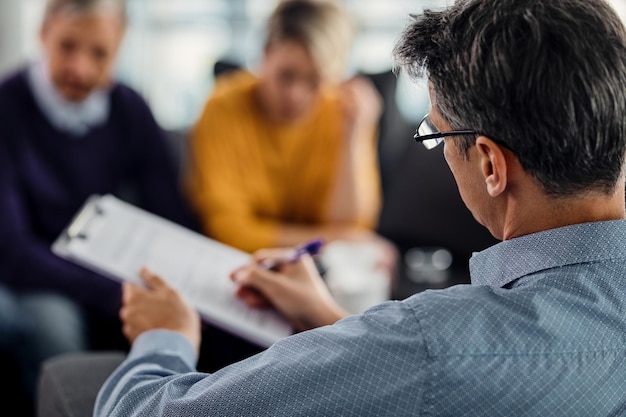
(75, 119)
(513, 259)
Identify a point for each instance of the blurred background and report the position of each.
(172, 46)
(171, 53)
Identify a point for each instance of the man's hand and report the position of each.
(296, 290)
(157, 306)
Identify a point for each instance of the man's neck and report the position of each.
(551, 213)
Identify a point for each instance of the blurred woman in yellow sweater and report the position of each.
(289, 154)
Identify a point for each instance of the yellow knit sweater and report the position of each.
(249, 175)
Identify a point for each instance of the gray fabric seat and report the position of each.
(69, 383)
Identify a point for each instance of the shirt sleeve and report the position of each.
(371, 364)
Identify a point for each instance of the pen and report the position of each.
(312, 247)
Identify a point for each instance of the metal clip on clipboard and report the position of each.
(78, 224)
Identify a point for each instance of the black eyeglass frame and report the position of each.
(438, 134)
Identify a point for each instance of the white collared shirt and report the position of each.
(74, 118)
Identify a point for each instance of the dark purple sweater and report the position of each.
(46, 175)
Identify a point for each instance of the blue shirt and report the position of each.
(541, 331)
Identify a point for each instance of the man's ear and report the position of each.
(493, 165)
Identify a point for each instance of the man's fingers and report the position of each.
(151, 279)
(238, 274)
(279, 254)
(248, 284)
(255, 277)
(129, 290)
(252, 297)
(123, 313)
(260, 287)
(305, 265)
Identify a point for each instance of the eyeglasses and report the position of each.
(430, 136)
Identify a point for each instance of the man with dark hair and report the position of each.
(527, 96)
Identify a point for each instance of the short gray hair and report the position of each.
(545, 77)
(68, 7)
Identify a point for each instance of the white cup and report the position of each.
(353, 276)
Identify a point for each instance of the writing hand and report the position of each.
(295, 289)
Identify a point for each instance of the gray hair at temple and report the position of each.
(544, 77)
(81, 7)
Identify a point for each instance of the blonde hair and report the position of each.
(321, 26)
(73, 7)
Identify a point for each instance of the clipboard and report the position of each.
(116, 239)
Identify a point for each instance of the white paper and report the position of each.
(120, 239)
